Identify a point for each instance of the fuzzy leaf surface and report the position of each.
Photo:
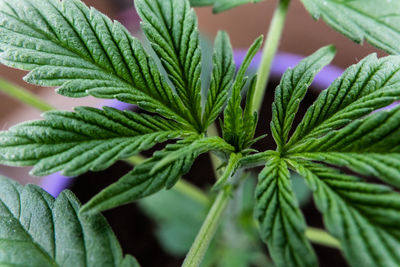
(363, 216)
(370, 146)
(145, 179)
(171, 27)
(291, 91)
(65, 43)
(233, 127)
(222, 76)
(363, 88)
(38, 230)
(87, 139)
(281, 221)
(375, 21)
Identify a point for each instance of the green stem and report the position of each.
(269, 51)
(321, 237)
(23, 95)
(207, 231)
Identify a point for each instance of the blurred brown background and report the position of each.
(302, 35)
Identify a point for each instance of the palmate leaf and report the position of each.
(375, 21)
(222, 5)
(234, 130)
(222, 76)
(370, 146)
(171, 27)
(340, 129)
(147, 178)
(64, 43)
(38, 230)
(363, 88)
(364, 217)
(291, 91)
(281, 222)
(87, 139)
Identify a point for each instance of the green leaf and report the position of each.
(221, 79)
(69, 45)
(370, 146)
(291, 91)
(382, 166)
(222, 5)
(38, 230)
(171, 27)
(281, 221)
(141, 182)
(233, 129)
(364, 217)
(377, 22)
(199, 146)
(87, 139)
(363, 88)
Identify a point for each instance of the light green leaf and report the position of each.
(233, 127)
(364, 217)
(222, 5)
(87, 139)
(38, 230)
(141, 182)
(178, 219)
(171, 27)
(291, 91)
(281, 221)
(221, 79)
(363, 88)
(372, 20)
(64, 43)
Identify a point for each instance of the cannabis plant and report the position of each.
(344, 138)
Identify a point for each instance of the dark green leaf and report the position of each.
(292, 89)
(371, 145)
(364, 217)
(363, 88)
(222, 77)
(69, 45)
(372, 20)
(171, 27)
(143, 181)
(38, 230)
(87, 139)
(281, 222)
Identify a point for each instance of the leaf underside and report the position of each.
(377, 23)
(222, 5)
(38, 230)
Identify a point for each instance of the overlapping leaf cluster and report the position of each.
(345, 130)
(343, 136)
(86, 54)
